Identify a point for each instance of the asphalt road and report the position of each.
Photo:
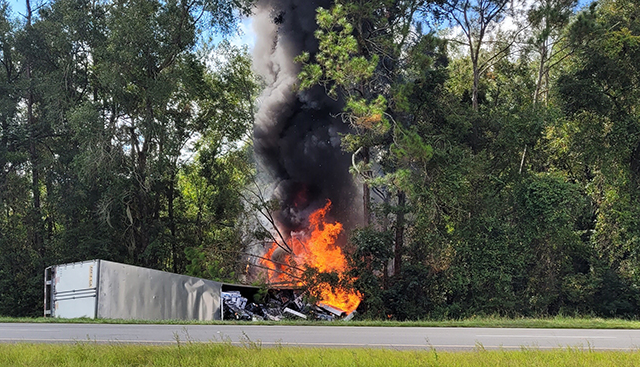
(326, 336)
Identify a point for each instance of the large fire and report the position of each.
(314, 247)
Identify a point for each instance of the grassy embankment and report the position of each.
(252, 354)
(560, 322)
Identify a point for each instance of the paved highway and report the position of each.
(326, 336)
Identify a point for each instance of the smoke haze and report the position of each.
(296, 135)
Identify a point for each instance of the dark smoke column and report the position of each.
(296, 135)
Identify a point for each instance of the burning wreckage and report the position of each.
(109, 290)
(280, 305)
(317, 246)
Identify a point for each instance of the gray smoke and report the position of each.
(296, 135)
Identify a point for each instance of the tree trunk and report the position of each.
(399, 241)
(541, 73)
(172, 222)
(475, 87)
(4, 147)
(366, 192)
(475, 122)
(36, 217)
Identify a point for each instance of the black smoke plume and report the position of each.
(297, 134)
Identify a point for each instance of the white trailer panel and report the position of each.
(76, 290)
(105, 289)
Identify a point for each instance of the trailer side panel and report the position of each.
(131, 292)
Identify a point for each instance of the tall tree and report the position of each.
(36, 225)
(9, 75)
(477, 20)
(369, 54)
(149, 83)
(363, 62)
(17, 259)
(548, 20)
(212, 186)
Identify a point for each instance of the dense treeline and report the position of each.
(501, 164)
(505, 158)
(119, 131)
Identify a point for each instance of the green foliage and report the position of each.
(99, 103)
(367, 263)
(411, 147)
(336, 64)
(506, 203)
(372, 249)
(411, 295)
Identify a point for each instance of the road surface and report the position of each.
(326, 336)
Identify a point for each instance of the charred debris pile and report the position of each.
(277, 305)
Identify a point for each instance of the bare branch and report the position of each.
(263, 209)
(277, 271)
(273, 261)
(503, 52)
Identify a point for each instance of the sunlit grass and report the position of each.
(252, 354)
(560, 322)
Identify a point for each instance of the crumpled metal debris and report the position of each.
(278, 305)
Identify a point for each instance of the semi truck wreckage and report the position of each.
(109, 290)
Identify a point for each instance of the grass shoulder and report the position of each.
(558, 322)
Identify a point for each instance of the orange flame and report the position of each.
(314, 247)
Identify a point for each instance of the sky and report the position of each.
(19, 6)
(245, 34)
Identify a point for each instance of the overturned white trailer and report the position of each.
(110, 290)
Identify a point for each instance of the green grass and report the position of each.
(560, 322)
(252, 354)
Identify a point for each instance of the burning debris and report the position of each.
(278, 305)
(317, 247)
